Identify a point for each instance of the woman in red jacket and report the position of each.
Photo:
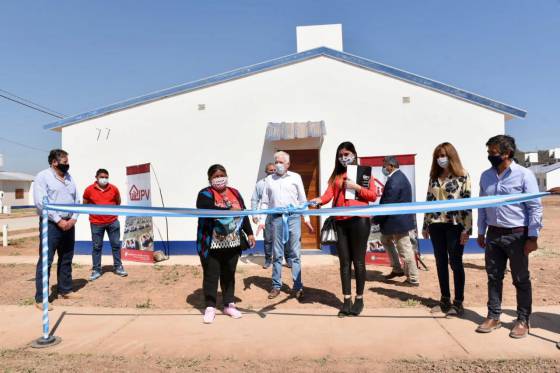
(352, 231)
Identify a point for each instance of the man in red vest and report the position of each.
(103, 193)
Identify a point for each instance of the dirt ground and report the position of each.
(24, 361)
(176, 287)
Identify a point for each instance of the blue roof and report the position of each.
(288, 60)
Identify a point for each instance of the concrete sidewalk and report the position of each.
(382, 334)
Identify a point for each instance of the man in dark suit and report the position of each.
(395, 228)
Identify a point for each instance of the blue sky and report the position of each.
(72, 56)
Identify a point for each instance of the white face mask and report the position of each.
(443, 162)
(219, 183)
(346, 160)
(280, 169)
(103, 181)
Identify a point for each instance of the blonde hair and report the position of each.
(455, 165)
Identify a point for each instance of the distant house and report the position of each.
(532, 157)
(548, 176)
(554, 153)
(17, 188)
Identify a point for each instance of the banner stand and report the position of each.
(46, 340)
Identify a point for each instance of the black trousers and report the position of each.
(219, 265)
(500, 248)
(446, 238)
(351, 246)
(62, 243)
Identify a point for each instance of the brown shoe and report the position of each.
(72, 296)
(489, 325)
(39, 306)
(520, 329)
(273, 293)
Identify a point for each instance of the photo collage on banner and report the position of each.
(138, 238)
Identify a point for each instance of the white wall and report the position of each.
(532, 157)
(355, 104)
(553, 179)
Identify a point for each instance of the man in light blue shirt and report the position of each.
(57, 185)
(508, 233)
(256, 200)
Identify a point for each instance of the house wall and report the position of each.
(553, 179)
(358, 105)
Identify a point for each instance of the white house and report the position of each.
(548, 176)
(554, 153)
(15, 188)
(305, 103)
(532, 157)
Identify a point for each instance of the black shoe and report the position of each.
(443, 307)
(456, 310)
(393, 274)
(346, 306)
(357, 307)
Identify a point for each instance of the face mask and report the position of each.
(347, 160)
(280, 169)
(385, 171)
(270, 172)
(63, 167)
(443, 162)
(495, 160)
(219, 183)
(103, 181)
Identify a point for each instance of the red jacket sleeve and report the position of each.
(328, 195)
(370, 193)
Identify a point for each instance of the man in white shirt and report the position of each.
(283, 189)
(256, 200)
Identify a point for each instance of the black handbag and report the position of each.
(328, 232)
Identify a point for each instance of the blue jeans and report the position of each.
(268, 238)
(61, 242)
(291, 249)
(114, 233)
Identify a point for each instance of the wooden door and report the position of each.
(306, 163)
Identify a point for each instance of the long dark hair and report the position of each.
(339, 169)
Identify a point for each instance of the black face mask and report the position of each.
(63, 167)
(495, 160)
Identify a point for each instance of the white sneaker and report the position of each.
(209, 315)
(232, 311)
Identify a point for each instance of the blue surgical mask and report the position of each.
(443, 162)
(280, 169)
(385, 171)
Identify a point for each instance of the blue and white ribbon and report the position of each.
(371, 210)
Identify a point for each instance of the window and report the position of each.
(19, 194)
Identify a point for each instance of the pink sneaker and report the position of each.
(232, 311)
(209, 315)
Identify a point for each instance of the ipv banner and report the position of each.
(138, 239)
